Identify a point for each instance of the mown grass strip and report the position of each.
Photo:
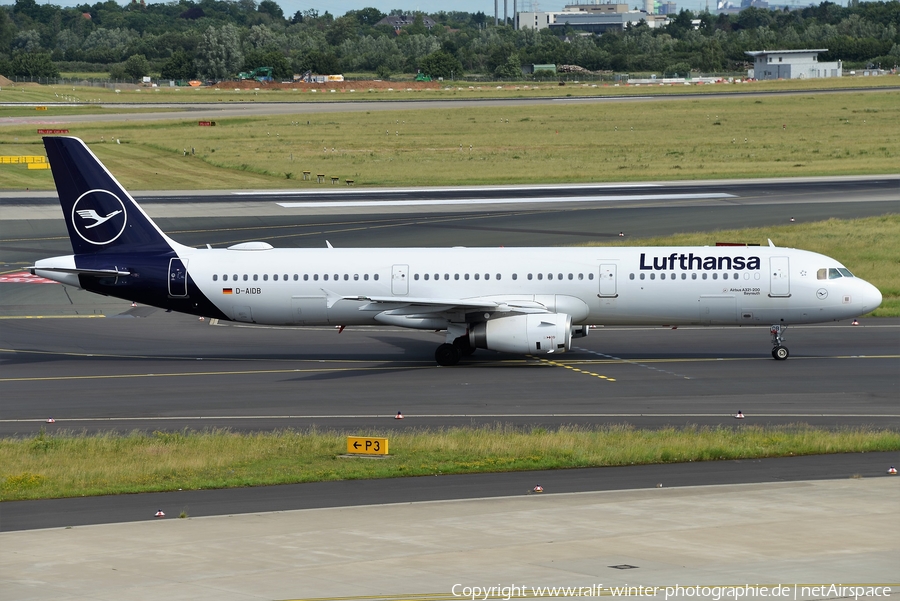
(68, 464)
(712, 138)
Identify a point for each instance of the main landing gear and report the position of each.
(779, 352)
(449, 354)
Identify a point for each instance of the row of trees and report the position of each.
(214, 39)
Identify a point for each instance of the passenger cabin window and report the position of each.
(215, 277)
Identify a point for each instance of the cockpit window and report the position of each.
(832, 273)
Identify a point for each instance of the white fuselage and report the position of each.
(728, 285)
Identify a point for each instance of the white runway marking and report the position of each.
(499, 201)
(439, 416)
(638, 363)
(378, 191)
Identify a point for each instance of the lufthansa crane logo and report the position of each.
(99, 217)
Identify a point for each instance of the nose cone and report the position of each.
(871, 298)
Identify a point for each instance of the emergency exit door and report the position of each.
(608, 280)
(779, 276)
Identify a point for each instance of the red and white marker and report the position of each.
(537, 488)
(739, 415)
(398, 416)
(50, 420)
(892, 471)
(855, 322)
(160, 514)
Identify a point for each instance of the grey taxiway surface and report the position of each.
(144, 368)
(767, 522)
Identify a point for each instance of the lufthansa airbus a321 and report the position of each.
(530, 301)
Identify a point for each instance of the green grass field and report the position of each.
(832, 134)
(67, 465)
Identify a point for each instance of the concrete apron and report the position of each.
(839, 532)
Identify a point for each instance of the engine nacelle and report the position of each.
(531, 334)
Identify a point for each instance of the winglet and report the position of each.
(772, 244)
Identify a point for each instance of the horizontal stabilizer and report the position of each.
(100, 273)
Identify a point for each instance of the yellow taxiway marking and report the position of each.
(190, 358)
(50, 316)
(575, 369)
(250, 372)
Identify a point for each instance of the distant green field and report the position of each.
(363, 90)
(711, 138)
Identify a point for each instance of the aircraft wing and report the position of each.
(413, 305)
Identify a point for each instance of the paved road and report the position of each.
(61, 513)
(244, 107)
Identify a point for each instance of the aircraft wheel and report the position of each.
(447, 355)
(780, 353)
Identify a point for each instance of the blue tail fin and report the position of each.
(100, 215)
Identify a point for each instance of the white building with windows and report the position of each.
(593, 18)
(791, 64)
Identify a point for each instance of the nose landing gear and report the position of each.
(779, 352)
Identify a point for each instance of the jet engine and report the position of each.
(533, 333)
